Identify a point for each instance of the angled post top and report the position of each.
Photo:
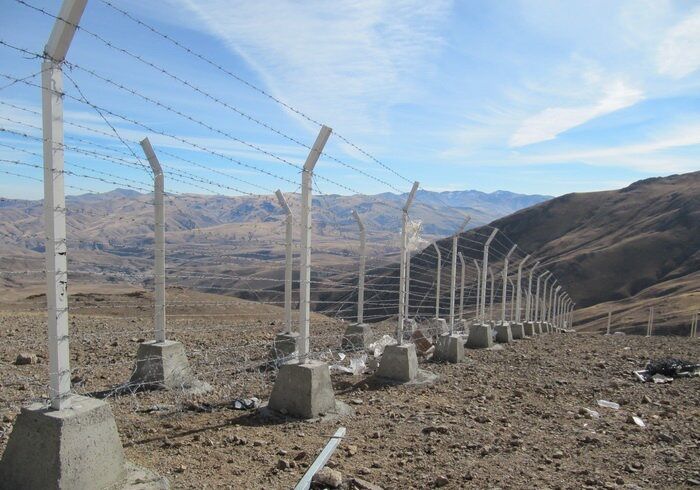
(283, 202)
(151, 157)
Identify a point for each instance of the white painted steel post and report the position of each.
(555, 305)
(550, 304)
(437, 280)
(528, 299)
(407, 304)
(484, 271)
(402, 265)
(607, 331)
(539, 310)
(288, 260)
(493, 288)
(453, 278)
(55, 201)
(650, 324)
(159, 210)
(512, 300)
(519, 288)
(363, 258)
(461, 285)
(305, 271)
(478, 290)
(505, 284)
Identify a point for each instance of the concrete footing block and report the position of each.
(436, 326)
(357, 337)
(539, 327)
(74, 448)
(449, 348)
(480, 336)
(303, 390)
(164, 365)
(399, 363)
(504, 334)
(518, 330)
(284, 348)
(530, 329)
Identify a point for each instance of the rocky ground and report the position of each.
(511, 417)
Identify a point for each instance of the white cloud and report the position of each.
(679, 53)
(343, 62)
(552, 121)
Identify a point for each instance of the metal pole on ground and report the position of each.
(453, 279)
(55, 201)
(305, 269)
(402, 265)
(288, 260)
(159, 210)
(437, 280)
(363, 258)
(505, 284)
(484, 271)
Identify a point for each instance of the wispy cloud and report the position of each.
(344, 62)
(549, 123)
(679, 53)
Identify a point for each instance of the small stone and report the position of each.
(693, 482)
(364, 471)
(351, 450)
(282, 464)
(646, 399)
(281, 452)
(357, 401)
(181, 469)
(376, 434)
(558, 455)
(300, 455)
(441, 481)
(258, 443)
(440, 429)
(24, 358)
(360, 484)
(329, 478)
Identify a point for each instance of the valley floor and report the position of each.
(507, 418)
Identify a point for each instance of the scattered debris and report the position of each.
(423, 344)
(607, 404)
(24, 358)
(328, 478)
(664, 370)
(633, 419)
(360, 484)
(245, 403)
(377, 348)
(320, 462)
(591, 414)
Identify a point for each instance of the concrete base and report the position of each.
(164, 365)
(530, 330)
(504, 335)
(480, 337)
(399, 363)
(449, 348)
(284, 348)
(518, 330)
(436, 326)
(77, 447)
(303, 390)
(357, 337)
(539, 327)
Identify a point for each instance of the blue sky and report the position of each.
(527, 96)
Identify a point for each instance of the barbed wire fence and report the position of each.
(224, 269)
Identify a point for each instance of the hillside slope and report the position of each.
(635, 246)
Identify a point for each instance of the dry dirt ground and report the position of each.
(506, 418)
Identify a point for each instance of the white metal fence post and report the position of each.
(549, 310)
(305, 272)
(437, 280)
(363, 258)
(461, 285)
(478, 290)
(539, 310)
(650, 323)
(159, 210)
(55, 201)
(493, 288)
(512, 300)
(484, 271)
(288, 259)
(505, 284)
(528, 299)
(402, 265)
(518, 300)
(555, 305)
(453, 278)
(609, 320)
